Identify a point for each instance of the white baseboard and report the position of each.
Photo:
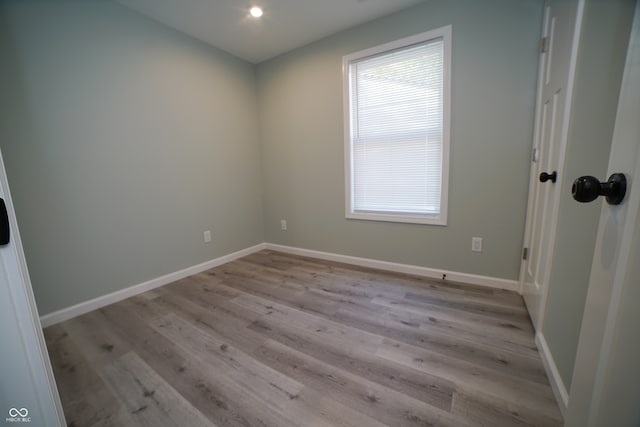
(99, 302)
(557, 385)
(96, 303)
(492, 282)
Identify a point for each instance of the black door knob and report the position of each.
(587, 188)
(4, 224)
(544, 177)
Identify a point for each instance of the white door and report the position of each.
(555, 81)
(605, 389)
(28, 394)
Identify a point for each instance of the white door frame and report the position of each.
(533, 178)
(23, 314)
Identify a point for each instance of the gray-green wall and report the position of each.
(123, 141)
(601, 58)
(494, 68)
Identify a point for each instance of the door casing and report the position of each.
(28, 386)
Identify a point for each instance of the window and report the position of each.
(397, 130)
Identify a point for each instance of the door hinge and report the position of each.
(544, 44)
(525, 254)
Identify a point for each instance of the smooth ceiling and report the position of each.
(285, 25)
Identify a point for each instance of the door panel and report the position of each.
(606, 381)
(28, 392)
(557, 59)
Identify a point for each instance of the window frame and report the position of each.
(443, 33)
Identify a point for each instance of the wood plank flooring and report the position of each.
(281, 340)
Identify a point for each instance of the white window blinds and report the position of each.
(396, 109)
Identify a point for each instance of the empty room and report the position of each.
(319, 213)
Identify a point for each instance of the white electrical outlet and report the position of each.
(207, 236)
(476, 244)
(283, 224)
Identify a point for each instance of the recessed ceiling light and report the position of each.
(255, 11)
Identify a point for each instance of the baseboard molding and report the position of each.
(557, 385)
(99, 302)
(493, 282)
(96, 303)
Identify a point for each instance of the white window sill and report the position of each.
(408, 218)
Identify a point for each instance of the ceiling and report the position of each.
(285, 25)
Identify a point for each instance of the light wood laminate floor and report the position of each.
(280, 340)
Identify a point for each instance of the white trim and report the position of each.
(557, 385)
(491, 282)
(409, 218)
(26, 316)
(441, 218)
(102, 301)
